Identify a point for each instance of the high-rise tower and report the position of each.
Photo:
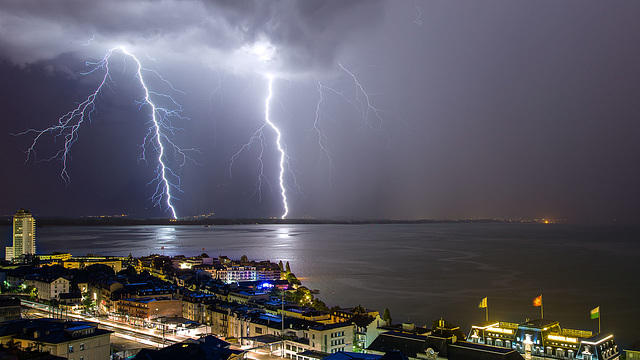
(24, 235)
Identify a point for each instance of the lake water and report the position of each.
(421, 272)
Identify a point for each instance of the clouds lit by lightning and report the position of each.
(157, 138)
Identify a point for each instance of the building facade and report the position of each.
(545, 339)
(141, 310)
(49, 287)
(24, 236)
(73, 340)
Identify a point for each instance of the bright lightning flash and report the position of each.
(283, 155)
(258, 135)
(156, 138)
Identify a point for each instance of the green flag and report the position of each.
(595, 313)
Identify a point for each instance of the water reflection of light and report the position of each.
(283, 232)
(165, 233)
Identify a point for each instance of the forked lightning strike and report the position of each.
(156, 137)
(365, 107)
(371, 115)
(322, 137)
(258, 135)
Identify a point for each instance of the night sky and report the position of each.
(478, 109)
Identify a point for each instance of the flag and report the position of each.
(595, 313)
(483, 303)
(537, 301)
(162, 247)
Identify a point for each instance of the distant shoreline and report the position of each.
(247, 221)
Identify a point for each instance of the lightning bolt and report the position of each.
(371, 115)
(361, 101)
(418, 17)
(93, 37)
(259, 136)
(363, 104)
(279, 144)
(156, 138)
(322, 137)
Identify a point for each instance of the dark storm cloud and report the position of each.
(304, 35)
(489, 108)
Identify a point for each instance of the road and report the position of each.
(150, 337)
(146, 336)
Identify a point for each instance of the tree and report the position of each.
(359, 310)
(281, 266)
(99, 270)
(288, 268)
(319, 305)
(292, 279)
(130, 271)
(244, 259)
(386, 316)
(33, 292)
(87, 301)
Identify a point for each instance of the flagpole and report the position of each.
(598, 320)
(486, 312)
(541, 310)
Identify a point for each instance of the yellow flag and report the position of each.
(483, 303)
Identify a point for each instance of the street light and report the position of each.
(159, 321)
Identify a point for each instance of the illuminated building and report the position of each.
(141, 310)
(24, 236)
(48, 287)
(62, 339)
(545, 339)
(81, 263)
(632, 354)
(9, 308)
(55, 257)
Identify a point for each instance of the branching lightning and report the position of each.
(160, 125)
(322, 137)
(259, 136)
(363, 104)
(418, 17)
(361, 101)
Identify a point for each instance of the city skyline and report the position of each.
(406, 110)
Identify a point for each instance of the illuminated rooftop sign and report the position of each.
(562, 338)
(485, 327)
(500, 330)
